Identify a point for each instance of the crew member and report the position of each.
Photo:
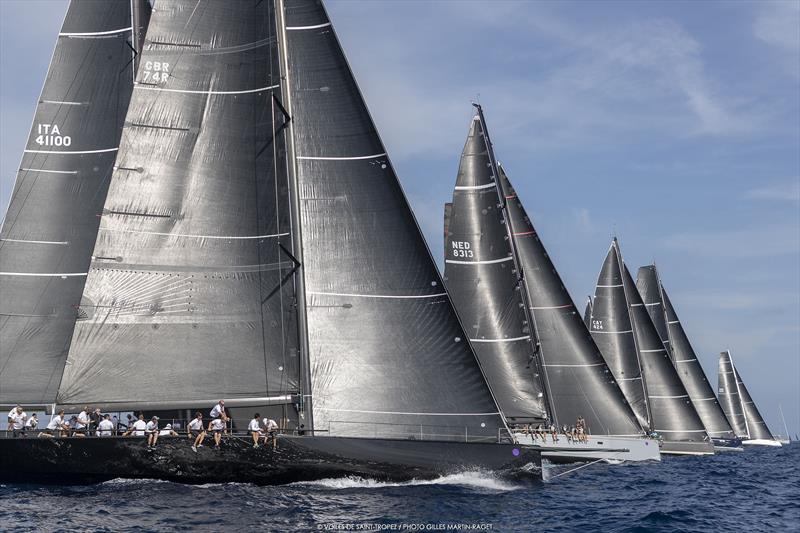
(255, 429)
(105, 428)
(271, 428)
(151, 430)
(195, 430)
(216, 427)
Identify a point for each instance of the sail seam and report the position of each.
(612, 332)
(192, 91)
(316, 26)
(353, 158)
(92, 33)
(34, 242)
(72, 152)
(525, 338)
(685, 360)
(654, 351)
(44, 275)
(404, 413)
(398, 296)
(489, 261)
(536, 308)
(669, 397)
(49, 171)
(474, 187)
(611, 286)
(193, 236)
(575, 366)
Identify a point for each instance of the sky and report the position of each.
(673, 125)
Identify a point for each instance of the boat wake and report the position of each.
(475, 479)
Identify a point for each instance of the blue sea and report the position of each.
(756, 490)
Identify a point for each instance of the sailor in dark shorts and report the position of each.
(216, 427)
(196, 431)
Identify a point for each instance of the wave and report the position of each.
(471, 479)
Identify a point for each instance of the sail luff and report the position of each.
(51, 222)
(756, 425)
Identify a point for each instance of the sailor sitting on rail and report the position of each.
(57, 427)
(216, 427)
(196, 431)
(137, 429)
(151, 430)
(82, 423)
(168, 432)
(218, 411)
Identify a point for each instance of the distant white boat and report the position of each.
(783, 439)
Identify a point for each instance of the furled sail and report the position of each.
(50, 227)
(729, 396)
(682, 354)
(483, 282)
(576, 377)
(190, 296)
(387, 353)
(611, 325)
(756, 426)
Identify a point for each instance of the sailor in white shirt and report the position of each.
(32, 423)
(56, 426)
(12, 413)
(151, 429)
(271, 428)
(138, 428)
(17, 422)
(195, 429)
(106, 427)
(168, 431)
(218, 411)
(255, 429)
(83, 420)
(216, 427)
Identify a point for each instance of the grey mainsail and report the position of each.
(612, 329)
(50, 227)
(729, 396)
(576, 377)
(682, 354)
(189, 297)
(483, 282)
(756, 426)
(385, 347)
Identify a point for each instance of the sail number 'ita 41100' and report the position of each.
(462, 249)
(50, 135)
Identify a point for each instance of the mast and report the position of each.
(306, 397)
(536, 347)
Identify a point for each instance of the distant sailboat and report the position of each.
(684, 359)
(538, 358)
(784, 439)
(739, 407)
(630, 344)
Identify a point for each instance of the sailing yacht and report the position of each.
(623, 330)
(785, 438)
(684, 359)
(226, 223)
(739, 407)
(537, 355)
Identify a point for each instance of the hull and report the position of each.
(611, 448)
(307, 458)
(727, 445)
(761, 442)
(687, 448)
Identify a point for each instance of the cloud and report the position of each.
(778, 24)
(773, 240)
(783, 192)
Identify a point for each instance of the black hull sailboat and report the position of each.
(294, 459)
(250, 241)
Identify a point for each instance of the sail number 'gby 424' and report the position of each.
(462, 249)
(50, 135)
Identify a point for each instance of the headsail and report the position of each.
(482, 280)
(729, 396)
(51, 224)
(587, 313)
(612, 329)
(682, 354)
(577, 378)
(189, 298)
(756, 426)
(387, 352)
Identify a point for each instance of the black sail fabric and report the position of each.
(672, 412)
(729, 396)
(387, 353)
(482, 281)
(51, 224)
(756, 426)
(188, 298)
(681, 353)
(612, 331)
(577, 378)
(587, 313)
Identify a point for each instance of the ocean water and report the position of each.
(756, 490)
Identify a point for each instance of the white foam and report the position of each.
(472, 479)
